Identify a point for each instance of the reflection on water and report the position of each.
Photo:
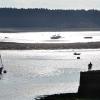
(45, 37)
(40, 72)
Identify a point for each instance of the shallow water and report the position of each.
(44, 37)
(31, 73)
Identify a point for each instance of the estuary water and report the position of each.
(31, 73)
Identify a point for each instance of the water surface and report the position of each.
(41, 72)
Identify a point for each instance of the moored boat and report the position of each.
(75, 53)
(2, 66)
(55, 36)
(88, 37)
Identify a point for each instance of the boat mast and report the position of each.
(1, 61)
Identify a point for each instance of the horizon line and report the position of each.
(48, 8)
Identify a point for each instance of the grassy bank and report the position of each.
(29, 46)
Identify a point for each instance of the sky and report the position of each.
(52, 4)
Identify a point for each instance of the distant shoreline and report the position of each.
(38, 46)
(41, 19)
(46, 29)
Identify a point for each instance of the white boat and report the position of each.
(56, 36)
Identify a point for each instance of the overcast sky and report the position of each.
(52, 4)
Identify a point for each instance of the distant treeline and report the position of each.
(45, 18)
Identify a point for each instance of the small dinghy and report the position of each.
(76, 53)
